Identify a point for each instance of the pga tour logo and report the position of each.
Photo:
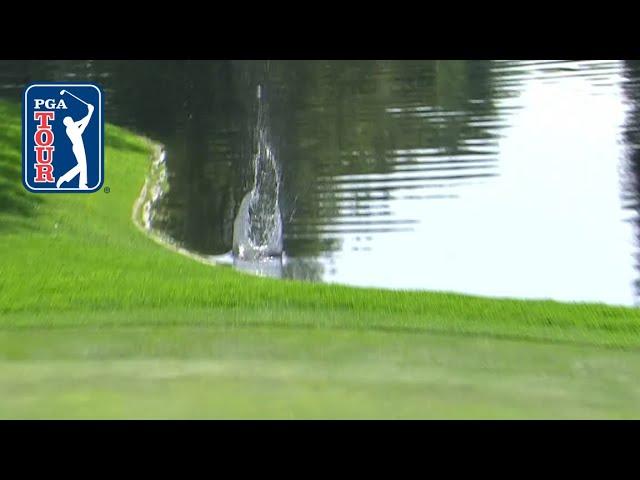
(63, 135)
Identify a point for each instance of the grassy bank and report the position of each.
(114, 325)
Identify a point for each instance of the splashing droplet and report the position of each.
(257, 229)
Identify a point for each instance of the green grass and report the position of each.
(97, 320)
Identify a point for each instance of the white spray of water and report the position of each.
(257, 229)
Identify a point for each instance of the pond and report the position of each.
(499, 178)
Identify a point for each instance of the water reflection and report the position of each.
(630, 173)
(507, 178)
(265, 267)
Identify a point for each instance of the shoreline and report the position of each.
(143, 201)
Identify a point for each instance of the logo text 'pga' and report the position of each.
(44, 138)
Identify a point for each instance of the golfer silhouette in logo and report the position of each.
(74, 132)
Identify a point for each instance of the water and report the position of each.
(501, 178)
(257, 229)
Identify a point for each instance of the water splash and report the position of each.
(257, 229)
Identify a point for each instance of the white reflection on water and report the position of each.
(550, 225)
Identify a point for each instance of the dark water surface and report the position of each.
(501, 178)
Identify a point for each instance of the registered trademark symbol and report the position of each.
(107, 189)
